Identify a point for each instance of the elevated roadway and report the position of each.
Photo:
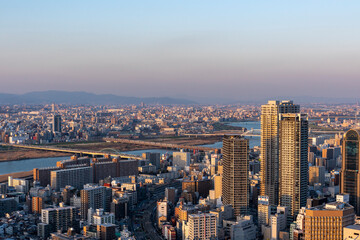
(74, 151)
(159, 144)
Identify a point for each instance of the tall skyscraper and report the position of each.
(350, 175)
(293, 164)
(235, 185)
(56, 124)
(270, 147)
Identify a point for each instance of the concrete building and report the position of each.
(60, 218)
(37, 204)
(98, 217)
(270, 147)
(264, 211)
(7, 205)
(351, 232)
(20, 185)
(201, 226)
(56, 123)
(162, 212)
(76, 177)
(293, 164)
(317, 175)
(235, 184)
(244, 229)
(181, 159)
(218, 186)
(171, 194)
(154, 158)
(327, 221)
(94, 197)
(350, 174)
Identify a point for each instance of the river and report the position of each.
(29, 164)
(253, 141)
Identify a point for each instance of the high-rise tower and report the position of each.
(350, 175)
(235, 183)
(293, 165)
(270, 147)
(56, 123)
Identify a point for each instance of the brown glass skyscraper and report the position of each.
(235, 190)
(270, 147)
(350, 176)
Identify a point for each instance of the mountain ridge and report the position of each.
(82, 97)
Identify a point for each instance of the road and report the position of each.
(146, 221)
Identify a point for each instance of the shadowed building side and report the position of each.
(349, 175)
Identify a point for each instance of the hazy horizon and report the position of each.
(200, 50)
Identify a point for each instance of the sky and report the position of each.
(200, 49)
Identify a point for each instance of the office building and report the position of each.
(20, 185)
(327, 221)
(243, 229)
(98, 217)
(171, 194)
(181, 159)
(120, 207)
(269, 170)
(60, 218)
(201, 226)
(218, 185)
(37, 204)
(293, 164)
(351, 232)
(7, 205)
(76, 177)
(94, 197)
(350, 174)
(154, 158)
(235, 184)
(162, 212)
(106, 231)
(264, 211)
(56, 123)
(317, 175)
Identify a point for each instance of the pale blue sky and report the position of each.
(194, 49)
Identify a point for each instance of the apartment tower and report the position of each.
(270, 147)
(293, 164)
(235, 182)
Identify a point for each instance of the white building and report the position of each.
(100, 217)
(201, 226)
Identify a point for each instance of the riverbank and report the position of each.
(15, 154)
(27, 174)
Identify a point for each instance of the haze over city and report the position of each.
(179, 120)
(204, 51)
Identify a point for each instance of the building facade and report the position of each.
(350, 175)
(293, 164)
(269, 169)
(235, 184)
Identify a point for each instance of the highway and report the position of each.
(159, 144)
(74, 151)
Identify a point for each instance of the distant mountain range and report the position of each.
(65, 97)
